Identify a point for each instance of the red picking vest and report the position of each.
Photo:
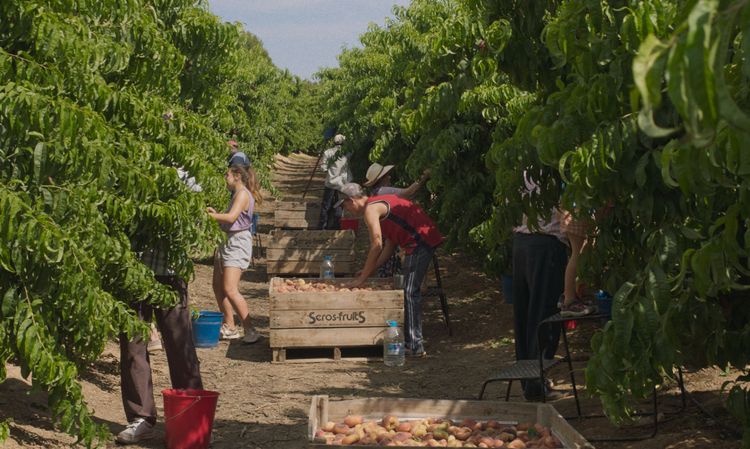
(406, 224)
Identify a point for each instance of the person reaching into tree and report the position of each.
(335, 162)
(575, 231)
(539, 261)
(379, 182)
(136, 383)
(235, 254)
(237, 157)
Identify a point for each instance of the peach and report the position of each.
(328, 427)
(468, 422)
(401, 436)
(390, 422)
(516, 444)
(438, 426)
(419, 430)
(440, 434)
(320, 437)
(490, 442)
(341, 428)
(385, 441)
(524, 426)
(352, 420)
(551, 442)
(463, 433)
(350, 439)
(404, 427)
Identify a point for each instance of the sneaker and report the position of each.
(415, 355)
(251, 335)
(229, 333)
(576, 308)
(138, 430)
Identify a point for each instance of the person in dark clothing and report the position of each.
(393, 221)
(175, 325)
(539, 261)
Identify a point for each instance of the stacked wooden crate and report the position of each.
(301, 252)
(296, 214)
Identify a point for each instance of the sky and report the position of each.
(305, 35)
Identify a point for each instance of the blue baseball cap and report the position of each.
(239, 158)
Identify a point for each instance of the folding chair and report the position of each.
(527, 369)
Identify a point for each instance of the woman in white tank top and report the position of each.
(235, 253)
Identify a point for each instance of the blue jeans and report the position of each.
(415, 268)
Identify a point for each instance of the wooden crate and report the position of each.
(322, 410)
(300, 252)
(331, 319)
(297, 214)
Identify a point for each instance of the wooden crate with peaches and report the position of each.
(312, 313)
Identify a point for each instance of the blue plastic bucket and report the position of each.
(206, 327)
(508, 288)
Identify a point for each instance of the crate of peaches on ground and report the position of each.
(313, 313)
(378, 422)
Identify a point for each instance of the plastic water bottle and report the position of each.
(326, 268)
(393, 345)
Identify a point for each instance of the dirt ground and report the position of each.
(265, 405)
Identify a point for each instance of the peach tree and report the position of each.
(100, 103)
(634, 111)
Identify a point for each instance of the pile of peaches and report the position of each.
(301, 285)
(435, 432)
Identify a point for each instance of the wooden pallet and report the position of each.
(334, 354)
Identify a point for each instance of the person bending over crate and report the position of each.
(379, 182)
(403, 224)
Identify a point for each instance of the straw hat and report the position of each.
(375, 172)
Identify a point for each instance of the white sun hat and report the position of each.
(375, 172)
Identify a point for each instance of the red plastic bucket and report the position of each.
(189, 418)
